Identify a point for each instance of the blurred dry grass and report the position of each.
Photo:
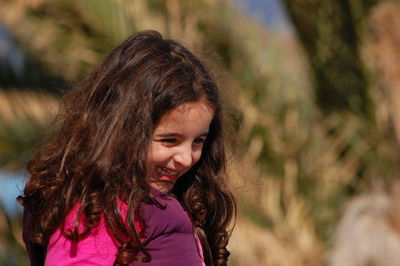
(11, 246)
(294, 167)
(386, 57)
(17, 105)
(368, 231)
(24, 117)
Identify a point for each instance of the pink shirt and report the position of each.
(100, 247)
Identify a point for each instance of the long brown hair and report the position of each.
(98, 154)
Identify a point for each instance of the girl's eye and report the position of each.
(169, 140)
(200, 140)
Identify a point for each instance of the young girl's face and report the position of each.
(177, 143)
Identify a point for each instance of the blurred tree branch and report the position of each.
(330, 34)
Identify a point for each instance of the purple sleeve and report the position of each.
(169, 235)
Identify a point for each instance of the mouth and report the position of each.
(166, 171)
(166, 174)
(164, 179)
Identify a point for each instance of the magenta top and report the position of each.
(169, 238)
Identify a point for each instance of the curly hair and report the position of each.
(96, 158)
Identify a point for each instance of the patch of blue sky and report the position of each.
(272, 13)
(11, 186)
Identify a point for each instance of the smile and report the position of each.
(165, 171)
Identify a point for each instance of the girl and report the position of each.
(135, 172)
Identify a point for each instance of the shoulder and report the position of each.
(169, 236)
(98, 248)
(165, 218)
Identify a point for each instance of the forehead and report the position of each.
(188, 115)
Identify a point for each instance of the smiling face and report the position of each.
(177, 144)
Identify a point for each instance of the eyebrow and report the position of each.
(166, 135)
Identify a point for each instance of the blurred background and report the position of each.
(313, 87)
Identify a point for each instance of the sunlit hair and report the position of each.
(98, 157)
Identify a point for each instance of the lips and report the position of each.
(166, 174)
(166, 171)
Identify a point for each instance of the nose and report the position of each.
(184, 157)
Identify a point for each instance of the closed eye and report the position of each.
(168, 140)
(200, 140)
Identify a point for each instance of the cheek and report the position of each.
(196, 156)
(157, 154)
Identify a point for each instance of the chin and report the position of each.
(163, 187)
